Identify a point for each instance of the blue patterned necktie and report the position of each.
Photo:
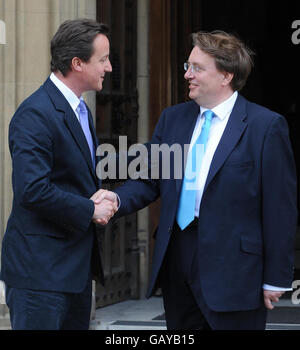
(84, 122)
(187, 201)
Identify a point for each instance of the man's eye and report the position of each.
(103, 60)
(197, 68)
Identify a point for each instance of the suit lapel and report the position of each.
(72, 123)
(232, 134)
(96, 143)
(93, 131)
(185, 132)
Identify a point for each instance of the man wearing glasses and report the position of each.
(225, 240)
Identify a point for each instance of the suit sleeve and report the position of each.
(137, 194)
(30, 141)
(279, 203)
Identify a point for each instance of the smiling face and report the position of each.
(208, 86)
(93, 71)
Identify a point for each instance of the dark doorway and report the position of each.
(266, 27)
(117, 114)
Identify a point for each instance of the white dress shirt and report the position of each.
(222, 113)
(218, 125)
(67, 92)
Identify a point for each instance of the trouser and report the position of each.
(46, 310)
(185, 306)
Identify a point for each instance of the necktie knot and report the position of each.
(81, 107)
(84, 122)
(208, 115)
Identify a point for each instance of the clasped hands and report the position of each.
(106, 205)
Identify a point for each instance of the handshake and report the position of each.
(106, 205)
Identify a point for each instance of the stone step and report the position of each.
(155, 325)
(161, 325)
(129, 325)
(282, 326)
(4, 323)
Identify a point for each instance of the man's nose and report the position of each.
(189, 73)
(108, 67)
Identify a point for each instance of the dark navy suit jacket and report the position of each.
(50, 240)
(248, 211)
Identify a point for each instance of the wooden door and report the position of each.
(116, 115)
(171, 23)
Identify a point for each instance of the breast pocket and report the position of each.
(239, 181)
(251, 246)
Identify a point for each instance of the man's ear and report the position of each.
(76, 64)
(227, 78)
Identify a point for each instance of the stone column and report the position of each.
(143, 131)
(4, 321)
(24, 66)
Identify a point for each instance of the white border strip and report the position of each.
(2, 33)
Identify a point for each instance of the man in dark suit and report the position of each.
(50, 250)
(225, 240)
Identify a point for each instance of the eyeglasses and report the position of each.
(193, 67)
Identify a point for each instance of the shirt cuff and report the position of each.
(119, 201)
(276, 289)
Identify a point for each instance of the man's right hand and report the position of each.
(106, 205)
(104, 194)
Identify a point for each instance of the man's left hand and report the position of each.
(271, 296)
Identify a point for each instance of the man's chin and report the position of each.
(192, 95)
(99, 87)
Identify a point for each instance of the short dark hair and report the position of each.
(230, 53)
(74, 38)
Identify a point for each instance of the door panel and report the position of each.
(116, 115)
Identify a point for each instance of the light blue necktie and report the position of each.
(84, 121)
(187, 201)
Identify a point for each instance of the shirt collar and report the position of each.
(67, 92)
(224, 108)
